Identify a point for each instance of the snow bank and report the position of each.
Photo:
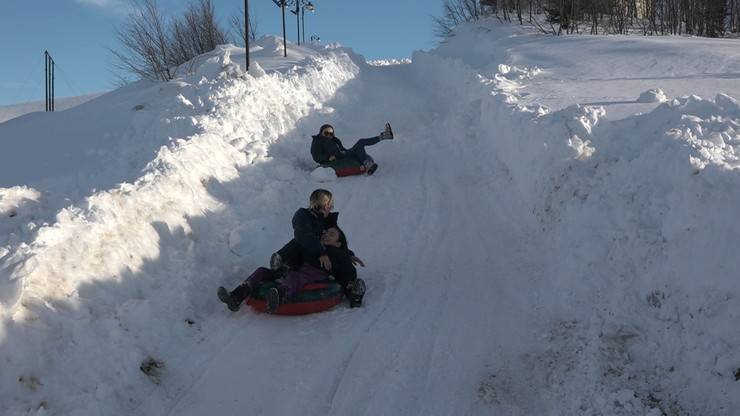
(87, 271)
(638, 232)
(639, 215)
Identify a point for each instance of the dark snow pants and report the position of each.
(296, 279)
(357, 151)
(251, 284)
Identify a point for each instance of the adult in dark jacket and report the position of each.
(327, 149)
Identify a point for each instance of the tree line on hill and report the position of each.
(709, 18)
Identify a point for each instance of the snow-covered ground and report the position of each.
(552, 232)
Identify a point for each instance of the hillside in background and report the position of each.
(8, 112)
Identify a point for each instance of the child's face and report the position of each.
(330, 237)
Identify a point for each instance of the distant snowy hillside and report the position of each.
(8, 112)
(551, 232)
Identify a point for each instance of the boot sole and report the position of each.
(225, 297)
(358, 287)
(357, 293)
(273, 300)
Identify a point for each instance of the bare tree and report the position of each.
(237, 25)
(456, 12)
(195, 33)
(144, 40)
(154, 47)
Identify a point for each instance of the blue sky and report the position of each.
(78, 34)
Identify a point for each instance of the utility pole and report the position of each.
(281, 4)
(303, 24)
(246, 30)
(285, 41)
(49, 80)
(46, 80)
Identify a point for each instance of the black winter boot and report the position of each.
(275, 298)
(387, 134)
(355, 291)
(225, 297)
(370, 166)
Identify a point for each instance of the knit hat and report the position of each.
(325, 126)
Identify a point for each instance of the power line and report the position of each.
(75, 90)
(31, 73)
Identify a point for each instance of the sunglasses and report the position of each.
(328, 133)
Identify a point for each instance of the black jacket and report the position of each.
(306, 246)
(324, 147)
(308, 226)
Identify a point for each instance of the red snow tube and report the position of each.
(314, 297)
(349, 171)
(346, 167)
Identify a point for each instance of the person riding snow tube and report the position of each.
(328, 151)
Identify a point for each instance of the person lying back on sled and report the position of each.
(327, 149)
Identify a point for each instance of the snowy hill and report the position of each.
(8, 112)
(551, 232)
